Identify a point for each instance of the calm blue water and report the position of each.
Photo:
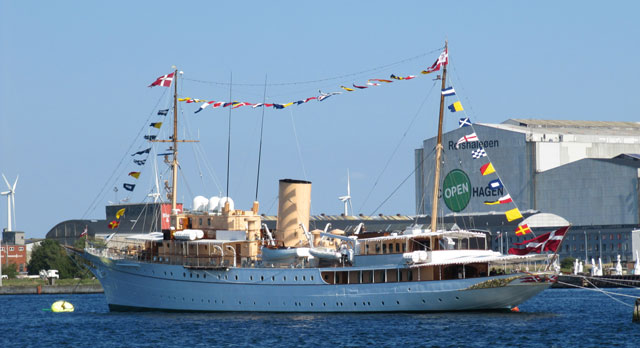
(555, 318)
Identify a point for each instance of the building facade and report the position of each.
(13, 250)
(587, 172)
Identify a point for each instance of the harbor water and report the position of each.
(555, 318)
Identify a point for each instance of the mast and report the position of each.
(174, 163)
(436, 177)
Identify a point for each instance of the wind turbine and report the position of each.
(347, 199)
(11, 201)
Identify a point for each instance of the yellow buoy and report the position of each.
(61, 306)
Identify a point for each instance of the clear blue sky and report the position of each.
(73, 95)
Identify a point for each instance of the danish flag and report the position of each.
(164, 81)
(546, 242)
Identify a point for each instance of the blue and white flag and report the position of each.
(495, 184)
(478, 153)
(448, 91)
(463, 122)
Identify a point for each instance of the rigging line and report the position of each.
(398, 187)
(109, 180)
(212, 173)
(195, 153)
(397, 146)
(608, 293)
(229, 134)
(424, 193)
(323, 79)
(489, 158)
(271, 206)
(264, 98)
(295, 133)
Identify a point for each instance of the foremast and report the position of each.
(174, 149)
(436, 177)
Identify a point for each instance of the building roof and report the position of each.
(614, 128)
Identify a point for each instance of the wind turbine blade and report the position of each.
(15, 183)
(348, 184)
(6, 181)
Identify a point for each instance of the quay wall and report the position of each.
(51, 289)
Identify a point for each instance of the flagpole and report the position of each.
(436, 179)
(555, 253)
(174, 164)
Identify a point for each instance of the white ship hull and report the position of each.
(132, 285)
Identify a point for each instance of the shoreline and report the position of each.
(51, 289)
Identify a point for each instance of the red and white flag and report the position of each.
(443, 59)
(546, 242)
(164, 81)
(467, 139)
(84, 233)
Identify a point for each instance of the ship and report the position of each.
(215, 258)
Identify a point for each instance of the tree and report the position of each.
(10, 270)
(50, 255)
(567, 263)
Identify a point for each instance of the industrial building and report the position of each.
(584, 171)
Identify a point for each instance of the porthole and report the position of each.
(440, 299)
(304, 277)
(295, 278)
(198, 275)
(273, 278)
(171, 273)
(311, 277)
(239, 302)
(382, 303)
(190, 275)
(218, 276)
(397, 302)
(204, 276)
(423, 301)
(284, 278)
(250, 277)
(184, 275)
(354, 303)
(368, 303)
(165, 273)
(457, 298)
(261, 277)
(236, 277)
(324, 304)
(226, 277)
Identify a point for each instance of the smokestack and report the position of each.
(293, 208)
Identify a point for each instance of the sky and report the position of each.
(74, 101)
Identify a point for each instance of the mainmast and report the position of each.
(436, 177)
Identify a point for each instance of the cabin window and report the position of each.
(377, 248)
(390, 247)
(209, 221)
(404, 247)
(366, 248)
(384, 248)
(200, 221)
(397, 247)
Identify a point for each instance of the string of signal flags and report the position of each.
(166, 81)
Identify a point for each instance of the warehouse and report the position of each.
(584, 171)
